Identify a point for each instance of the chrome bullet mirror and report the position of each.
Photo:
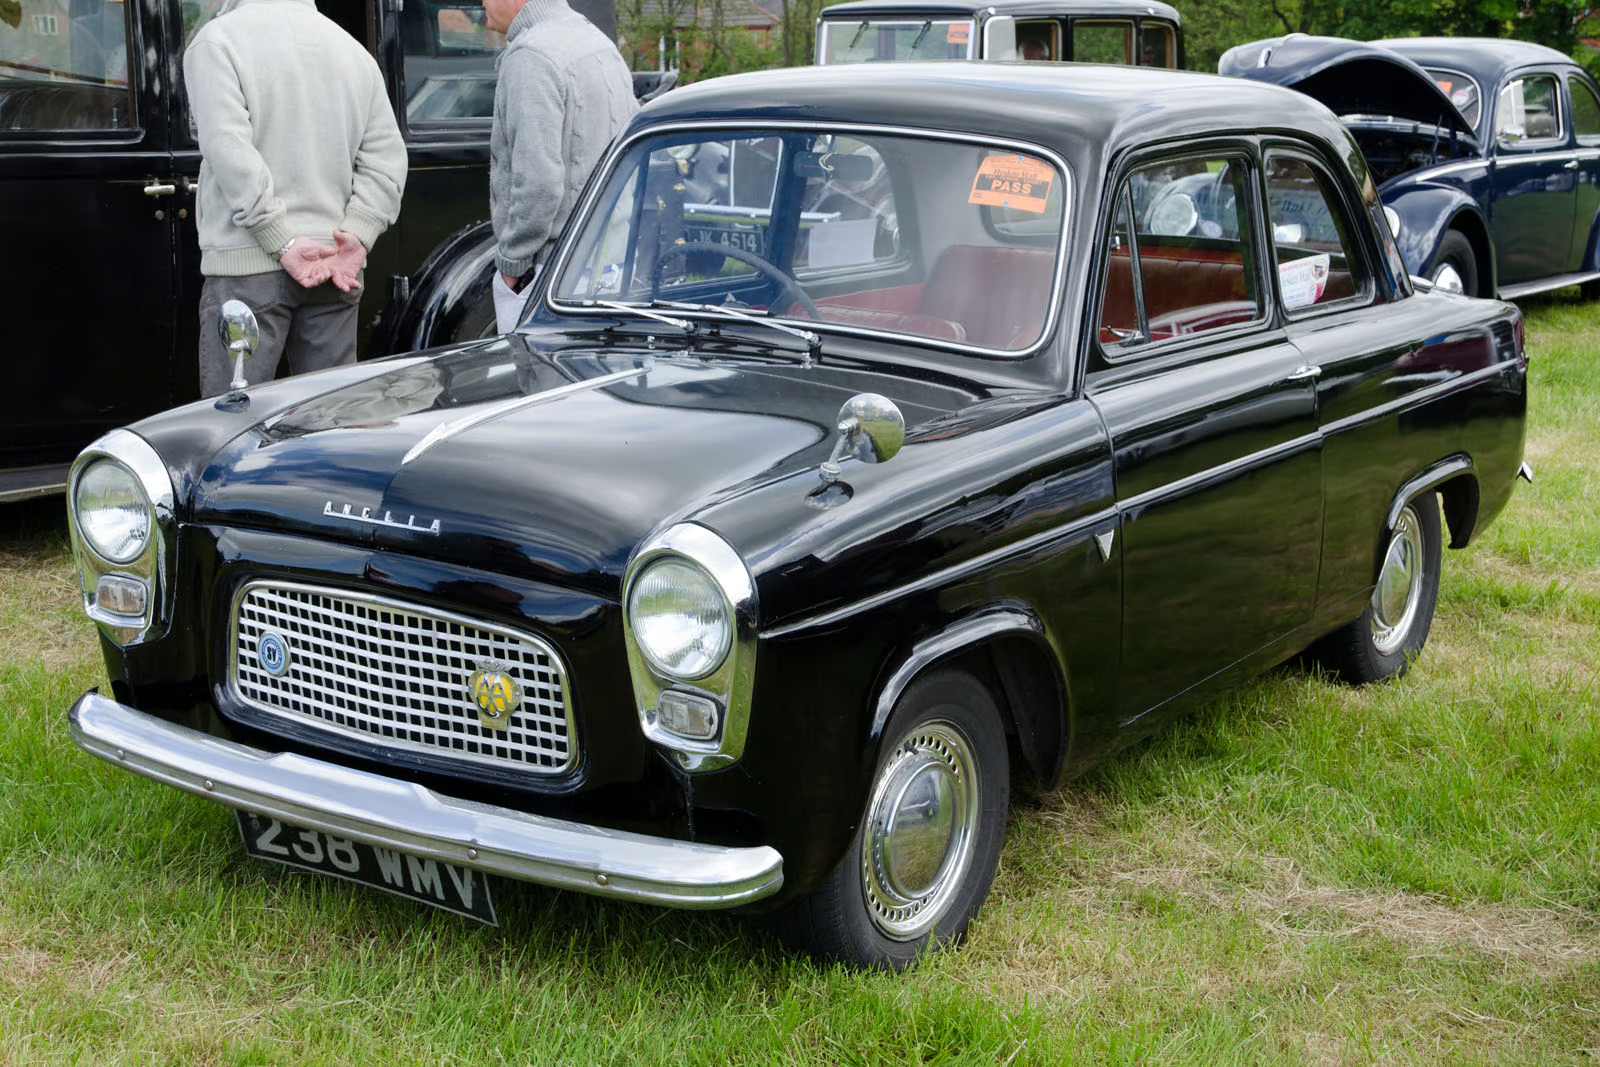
(871, 429)
(236, 325)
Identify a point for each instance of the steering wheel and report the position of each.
(787, 284)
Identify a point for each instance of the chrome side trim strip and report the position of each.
(446, 430)
(959, 570)
(959, 636)
(954, 572)
(390, 813)
(1419, 396)
(1451, 168)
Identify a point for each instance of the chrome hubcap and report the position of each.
(1394, 602)
(920, 826)
(1445, 276)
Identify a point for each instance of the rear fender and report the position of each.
(451, 281)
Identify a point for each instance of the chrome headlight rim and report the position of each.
(152, 565)
(653, 655)
(729, 684)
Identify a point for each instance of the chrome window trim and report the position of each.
(153, 566)
(957, 571)
(585, 211)
(730, 684)
(1364, 297)
(1560, 113)
(574, 750)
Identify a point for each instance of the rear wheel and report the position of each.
(1456, 268)
(1393, 627)
(925, 853)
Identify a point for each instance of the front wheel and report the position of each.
(925, 854)
(1393, 627)
(1456, 268)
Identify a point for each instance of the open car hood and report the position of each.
(1350, 77)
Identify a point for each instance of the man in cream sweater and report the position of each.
(302, 167)
(563, 95)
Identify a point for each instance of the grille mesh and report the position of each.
(399, 674)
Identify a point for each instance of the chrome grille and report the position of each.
(398, 674)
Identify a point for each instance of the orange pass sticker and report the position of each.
(958, 33)
(1442, 84)
(1019, 182)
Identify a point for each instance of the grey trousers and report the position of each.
(314, 328)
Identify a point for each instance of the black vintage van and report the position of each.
(100, 285)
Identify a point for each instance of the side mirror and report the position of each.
(1513, 134)
(871, 429)
(236, 325)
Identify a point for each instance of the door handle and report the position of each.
(1303, 374)
(1571, 164)
(160, 189)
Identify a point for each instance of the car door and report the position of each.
(1212, 419)
(87, 297)
(1535, 179)
(1585, 102)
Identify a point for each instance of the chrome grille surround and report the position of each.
(388, 672)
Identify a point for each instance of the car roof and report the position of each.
(1077, 109)
(1028, 8)
(1487, 59)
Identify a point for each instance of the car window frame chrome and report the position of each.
(582, 216)
(1365, 296)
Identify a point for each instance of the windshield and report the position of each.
(950, 242)
(874, 40)
(1462, 91)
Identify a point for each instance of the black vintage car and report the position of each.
(98, 166)
(869, 445)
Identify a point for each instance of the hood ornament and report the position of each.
(365, 515)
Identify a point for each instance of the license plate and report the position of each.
(749, 239)
(443, 885)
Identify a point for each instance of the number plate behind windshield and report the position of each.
(443, 885)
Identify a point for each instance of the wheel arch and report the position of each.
(1455, 478)
(1006, 649)
(455, 274)
(1427, 212)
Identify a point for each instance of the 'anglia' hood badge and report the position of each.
(366, 515)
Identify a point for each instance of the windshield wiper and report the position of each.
(859, 31)
(926, 26)
(813, 340)
(689, 328)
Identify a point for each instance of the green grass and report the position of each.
(1302, 872)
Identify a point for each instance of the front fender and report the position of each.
(1427, 212)
(450, 282)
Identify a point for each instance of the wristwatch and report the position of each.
(280, 253)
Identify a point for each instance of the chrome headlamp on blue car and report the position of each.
(120, 507)
(690, 624)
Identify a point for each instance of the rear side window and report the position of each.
(1585, 110)
(1311, 235)
(1180, 260)
(64, 67)
(1102, 42)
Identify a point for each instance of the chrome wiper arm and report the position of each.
(639, 309)
(813, 340)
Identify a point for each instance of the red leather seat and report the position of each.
(998, 295)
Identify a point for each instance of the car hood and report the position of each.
(550, 465)
(1349, 77)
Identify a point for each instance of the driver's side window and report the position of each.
(1179, 262)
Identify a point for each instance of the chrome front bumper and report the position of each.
(408, 817)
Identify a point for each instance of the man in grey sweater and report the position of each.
(302, 167)
(563, 95)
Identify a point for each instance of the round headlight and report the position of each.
(680, 618)
(1394, 219)
(113, 511)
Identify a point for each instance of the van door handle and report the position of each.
(160, 189)
(1571, 164)
(1303, 373)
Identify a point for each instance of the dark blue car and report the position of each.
(1486, 152)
